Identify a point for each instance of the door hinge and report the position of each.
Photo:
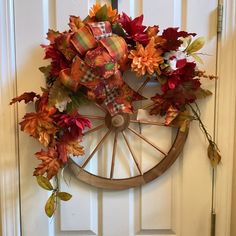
(220, 18)
(213, 224)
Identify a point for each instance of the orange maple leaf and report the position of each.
(40, 126)
(75, 148)
(50, 163)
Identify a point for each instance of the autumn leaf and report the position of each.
(75, 23)
(196, 45)
(202, 93)
(27, 97)
(40, 126)
(174, 38)
(75, 148)
(44, 183)
(213, 154)
(182, 121)
(50, 163)
(197, 58)
(50, 205)
(58, 96)
(64, 196)
(171, 114)
(52, 35)
(78, 99)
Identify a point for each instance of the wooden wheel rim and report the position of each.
(135, 181)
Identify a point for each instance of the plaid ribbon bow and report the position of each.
(98, 71)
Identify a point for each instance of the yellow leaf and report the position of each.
(213, 155)
(44, 182)
(182, 121)
(202, 93)
(197, 58)
(64, 196)
(171, 114)
(75, 148)
(196, 45)
(50, 205)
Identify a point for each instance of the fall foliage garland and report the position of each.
(86, 65)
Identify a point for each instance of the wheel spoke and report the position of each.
(147, 122)
(93, 117)
(147, 141)
(132, 153)
(143, 85)
(144, 107)
(101, 108)
(96, 149)
(94, 129)
(113, 155)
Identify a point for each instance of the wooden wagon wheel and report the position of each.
(119, 125)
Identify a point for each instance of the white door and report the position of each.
(176, 204)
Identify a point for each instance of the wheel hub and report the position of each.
(118, 122)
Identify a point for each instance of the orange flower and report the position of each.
(146, 60)
(112, 14)
(40, 126)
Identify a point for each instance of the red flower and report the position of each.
(179, 76)
(134, 28)
(72, 126)
(172, 38)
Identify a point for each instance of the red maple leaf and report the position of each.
(172, 35)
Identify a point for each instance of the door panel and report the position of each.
(177, 203)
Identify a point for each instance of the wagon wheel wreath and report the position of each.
(87, 67)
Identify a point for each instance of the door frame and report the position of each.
(224, 121)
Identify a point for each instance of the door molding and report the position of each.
(224, 121)
(9, 164)
(225, 116)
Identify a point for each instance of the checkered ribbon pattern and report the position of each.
(96, 67)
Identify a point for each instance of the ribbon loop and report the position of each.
(83, 40)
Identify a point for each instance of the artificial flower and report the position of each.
(72, 126)
(111, 14)
(134, 29)
(146, 59)
(40, 126)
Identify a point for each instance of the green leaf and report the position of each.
(45, 70)
(202, 93)
(101, 15)
(117, 29)
(44, 183)
(64, 196)
(197, 58)
(186, 42)
(196, 45)
(213, 154)
(77, 99)
(50, 205)
(110, 66)
(58, 94)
